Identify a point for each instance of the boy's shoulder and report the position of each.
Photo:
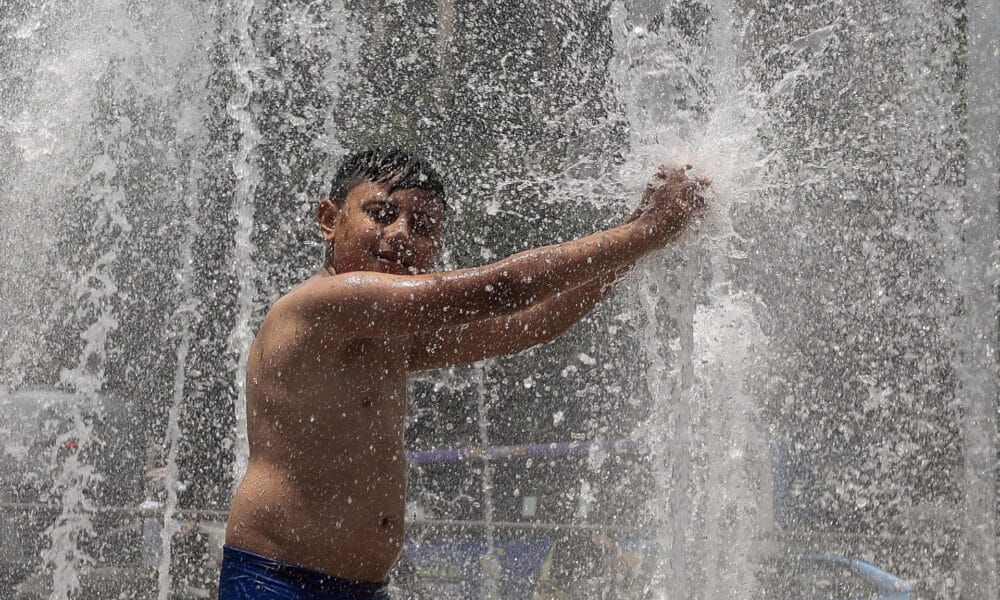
(304, 296)
(307, 307)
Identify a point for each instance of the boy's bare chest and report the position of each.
(352, 393)
(378, 359)
(296, 363)
(370, 374)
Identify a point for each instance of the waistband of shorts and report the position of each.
(307, 578)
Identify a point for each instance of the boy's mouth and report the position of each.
(393, 264)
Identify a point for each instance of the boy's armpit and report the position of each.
(464, 344)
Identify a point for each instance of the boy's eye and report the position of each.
(423, 226)
(382, 214)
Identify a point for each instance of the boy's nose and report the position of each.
(398, 229)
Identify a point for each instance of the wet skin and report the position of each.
(326, 379)
(326, 481)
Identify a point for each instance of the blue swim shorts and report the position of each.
(248, 576)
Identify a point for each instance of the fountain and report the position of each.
(813, 372)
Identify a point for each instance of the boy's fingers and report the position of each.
(692, 195)
(687, 193)
(700, 201)
(670, 171)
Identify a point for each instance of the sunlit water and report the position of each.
(813, 370)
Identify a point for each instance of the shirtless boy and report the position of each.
(320, 511)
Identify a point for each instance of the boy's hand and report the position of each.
(672, 199)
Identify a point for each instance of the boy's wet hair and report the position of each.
(406, 171)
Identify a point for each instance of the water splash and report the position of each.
(98, 58)
(699, 334)
(185, 315)
(91, 168)
(491, 564)
(246, 66)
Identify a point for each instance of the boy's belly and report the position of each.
(348, 524)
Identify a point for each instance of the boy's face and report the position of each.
(375, 230)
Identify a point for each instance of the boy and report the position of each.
(319, 513)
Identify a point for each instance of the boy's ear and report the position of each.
(326, 214)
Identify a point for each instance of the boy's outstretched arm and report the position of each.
(453, 346)
(371, 304)
(541, 323)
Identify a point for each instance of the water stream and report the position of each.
(246, 66)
